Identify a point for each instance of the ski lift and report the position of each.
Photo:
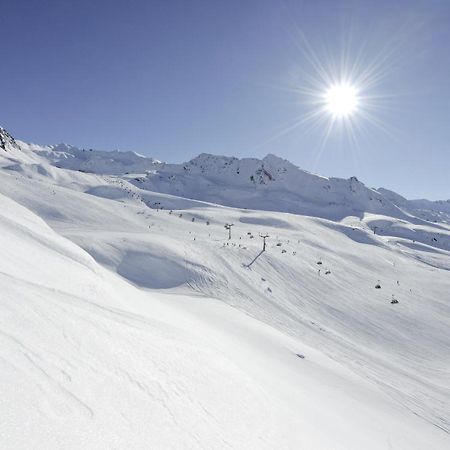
(394, 300)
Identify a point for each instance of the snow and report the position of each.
(126, 325)
(271, 184)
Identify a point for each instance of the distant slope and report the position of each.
(431, 211)
(270, 184)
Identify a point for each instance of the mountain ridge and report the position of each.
(271, 183)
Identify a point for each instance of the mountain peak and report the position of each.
(274, 159)
(6, 140)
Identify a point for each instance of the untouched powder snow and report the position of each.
(82, 367)
(129, 319)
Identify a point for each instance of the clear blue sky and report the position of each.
(172, 79)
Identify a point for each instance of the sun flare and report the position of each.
(339, 93)
(341, 100)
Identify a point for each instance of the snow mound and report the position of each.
(152, 271)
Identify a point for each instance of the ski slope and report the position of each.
(129, 319)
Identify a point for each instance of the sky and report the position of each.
(175, 78)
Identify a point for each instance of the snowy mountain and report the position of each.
(129, 319)
(270, 184)
(273, 183)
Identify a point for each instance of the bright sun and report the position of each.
(341, 100)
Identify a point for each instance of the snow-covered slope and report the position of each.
(94, 161)
(87, 361)
(130, 319)
(431, 211)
